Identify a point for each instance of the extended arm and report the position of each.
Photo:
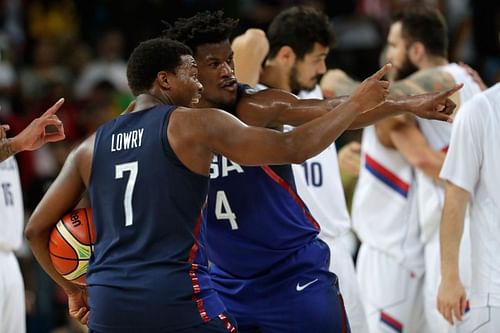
(211, 131)
(416, 94)
(62, 196)
(451, 294)
(34, 135)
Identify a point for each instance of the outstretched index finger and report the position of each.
(381, 72)
(54, 108)
(451, 91)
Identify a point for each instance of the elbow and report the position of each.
(299, 154)
(31, 232)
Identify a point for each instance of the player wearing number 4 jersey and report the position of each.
(147, 176)
(269, 266)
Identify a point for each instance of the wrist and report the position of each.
(15, 144)
(450, 276)
(355, 105)
(398, 106)
(8, 147)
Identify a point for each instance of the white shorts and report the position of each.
(480, 320)
(12, 308)
(342, 265)
(392, 295)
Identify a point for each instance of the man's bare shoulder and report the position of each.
(85, 149)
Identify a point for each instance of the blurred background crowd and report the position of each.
(79, 49)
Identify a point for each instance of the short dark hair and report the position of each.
(300, 27)
(426, 25)
(151, 57)
(203, 28)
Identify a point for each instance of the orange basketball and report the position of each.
(71, 244)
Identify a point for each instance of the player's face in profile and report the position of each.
(187, 87)
(216, 73)
(397, 53)
(306, 72)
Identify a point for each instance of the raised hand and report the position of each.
(435, 105)
(372, 91)
(46, 128)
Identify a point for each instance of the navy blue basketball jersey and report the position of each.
(147, 272)
(255, 219)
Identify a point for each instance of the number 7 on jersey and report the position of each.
(132, 168)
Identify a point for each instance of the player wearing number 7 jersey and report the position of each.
(147, 176)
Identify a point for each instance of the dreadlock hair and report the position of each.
(151, 57)
(203, 28)
(426, 25)
(299, 27)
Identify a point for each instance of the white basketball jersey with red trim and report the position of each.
(11, 206)
(382, 205)
(437, 133)
(319, 185)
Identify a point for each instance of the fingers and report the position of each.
(85, 318)
(81, 315)
(457, 311)
(54, 108)
(451, 91)
(381, 72)
(3, 130)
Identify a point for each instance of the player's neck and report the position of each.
(274, 76)
(431, 62)
(148, 100)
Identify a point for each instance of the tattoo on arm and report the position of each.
(6, 149)
(345, 86)
(429, 80)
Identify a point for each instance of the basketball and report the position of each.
(71, 244)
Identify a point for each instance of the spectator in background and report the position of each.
(109, 65)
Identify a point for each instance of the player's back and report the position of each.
(146, 207)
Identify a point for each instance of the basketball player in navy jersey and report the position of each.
(147, 176)
(269, 267)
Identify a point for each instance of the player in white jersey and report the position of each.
(430, 198)
(416, 43)
(12, 302)
(390, 262)
(318, 179)
(471, 174)
(12, 312)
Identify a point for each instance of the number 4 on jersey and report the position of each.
(223, 210)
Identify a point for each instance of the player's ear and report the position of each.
(416, 52)
(286, 56)
(164, 79)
